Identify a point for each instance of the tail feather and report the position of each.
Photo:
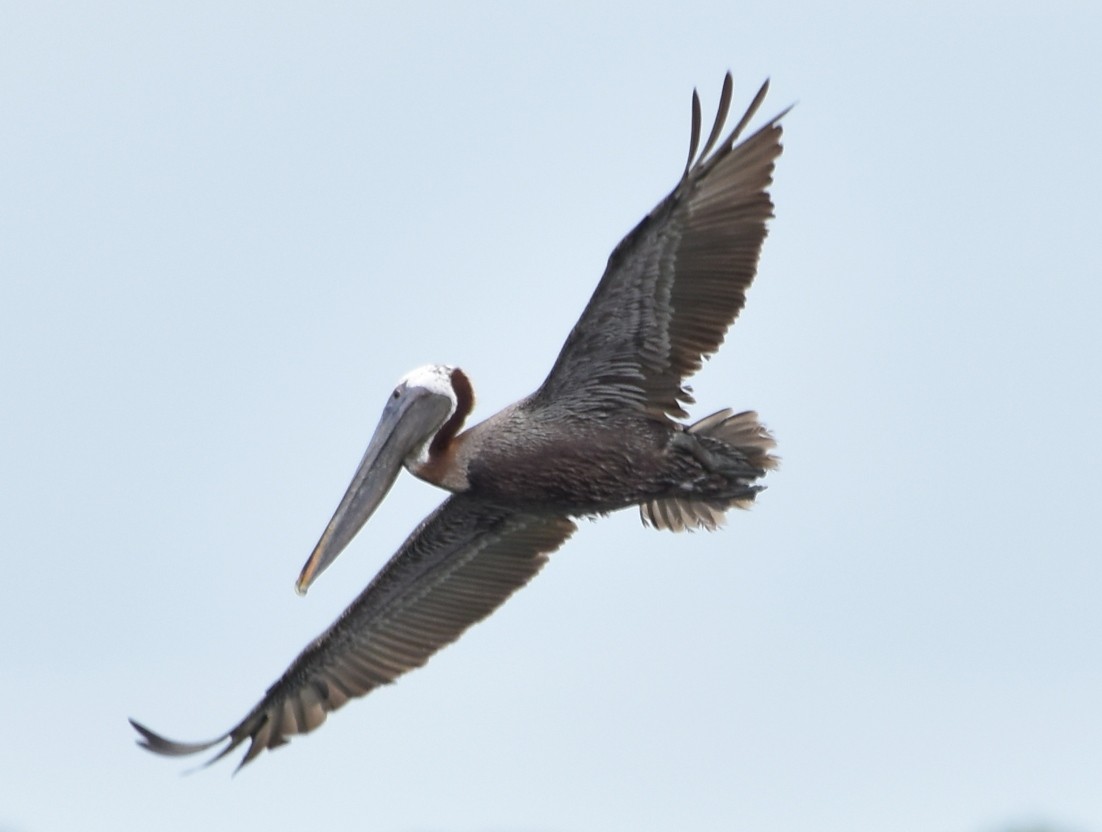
(744, 433)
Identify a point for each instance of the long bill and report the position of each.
(407, 422)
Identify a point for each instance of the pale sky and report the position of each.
(226, 230)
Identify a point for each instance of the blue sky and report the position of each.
(227, 229)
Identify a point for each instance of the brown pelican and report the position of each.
(600, 434)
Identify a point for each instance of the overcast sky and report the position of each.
(226, 230)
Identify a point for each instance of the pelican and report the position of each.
(603, 432)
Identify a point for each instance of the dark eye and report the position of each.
(396, 392)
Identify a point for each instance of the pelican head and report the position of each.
(422, 414)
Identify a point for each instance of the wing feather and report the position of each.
(676, 283)
(456, 568)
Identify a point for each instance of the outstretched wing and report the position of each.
(455, 569)
(676, 283)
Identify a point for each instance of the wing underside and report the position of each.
(676, 283)
(456, 568)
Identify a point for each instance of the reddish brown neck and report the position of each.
(442, 467)
(464, 403)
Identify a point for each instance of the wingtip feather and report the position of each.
(694, 135)
(152, 741)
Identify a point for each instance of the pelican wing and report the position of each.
(456, 568)
(675, 284)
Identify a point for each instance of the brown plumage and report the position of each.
(600, 434)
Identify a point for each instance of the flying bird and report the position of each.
(603, 432)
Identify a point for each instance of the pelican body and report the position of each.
(603, 432)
